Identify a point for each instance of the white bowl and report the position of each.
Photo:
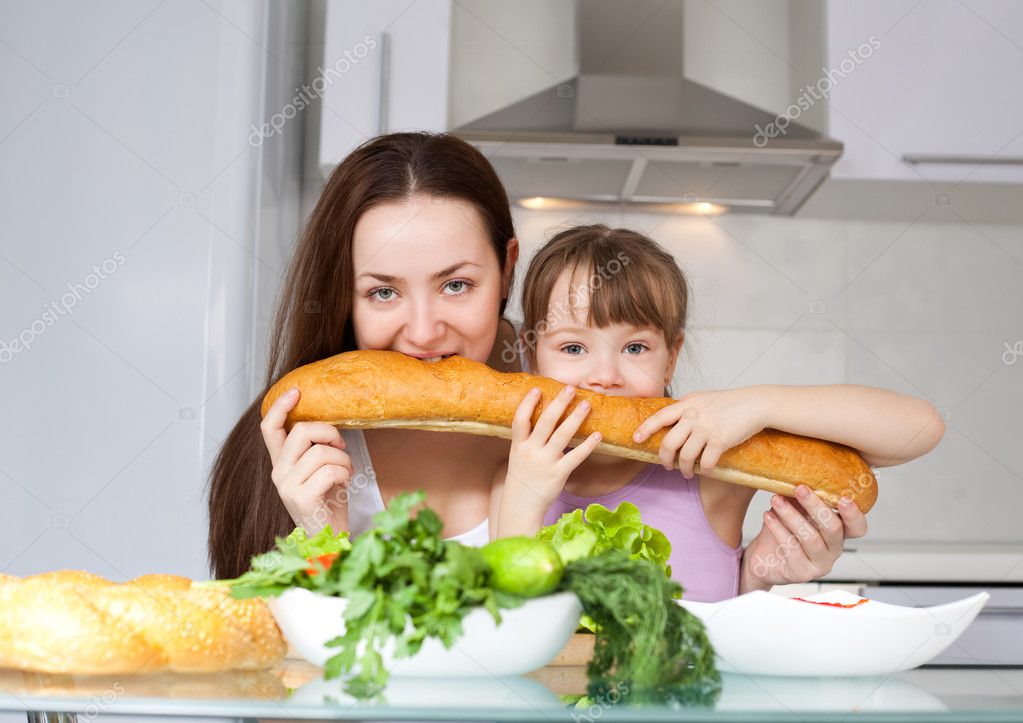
(764, 634)
(528, 637)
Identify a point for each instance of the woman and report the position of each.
(411, 247)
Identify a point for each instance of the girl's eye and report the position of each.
(572, 348)
(458, 287)
(382, 294)
(635, 348)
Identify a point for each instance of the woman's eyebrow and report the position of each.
(388, 279)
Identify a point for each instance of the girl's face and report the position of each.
(427, 280)
(620, 360)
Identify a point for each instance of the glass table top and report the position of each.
(296, 690)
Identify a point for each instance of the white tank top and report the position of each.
(364, 498)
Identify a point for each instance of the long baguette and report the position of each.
(367, 389)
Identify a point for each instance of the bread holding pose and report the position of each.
(367, 389)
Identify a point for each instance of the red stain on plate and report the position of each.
(833, 604)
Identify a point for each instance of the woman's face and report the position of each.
(427, 280)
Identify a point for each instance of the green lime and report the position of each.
(523, 566)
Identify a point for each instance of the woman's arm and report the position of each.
(885, 427)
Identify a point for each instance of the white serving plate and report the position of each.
(764, 634)
(528, 637)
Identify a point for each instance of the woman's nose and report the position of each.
(423, 329)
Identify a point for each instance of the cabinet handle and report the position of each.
(916, 158)
(385, 83)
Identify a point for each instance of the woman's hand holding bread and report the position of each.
(311, 469)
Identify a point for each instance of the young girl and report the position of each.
(605, 310)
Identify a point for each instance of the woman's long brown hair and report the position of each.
(313, 318)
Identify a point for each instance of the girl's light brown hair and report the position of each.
(313, 318)
(630, 279)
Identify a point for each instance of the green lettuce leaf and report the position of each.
(578, 535)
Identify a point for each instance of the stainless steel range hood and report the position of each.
(646, 134)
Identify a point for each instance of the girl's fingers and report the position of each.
(573, 459)
(709, 459)
(658, 420)
(524, 414)
(552, 413)
(272, 426)
(563, 435)
(672, 443)
(689, 452)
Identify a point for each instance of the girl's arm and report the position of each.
(885, 427)
(515, 508)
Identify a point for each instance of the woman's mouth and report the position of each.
(432, 357)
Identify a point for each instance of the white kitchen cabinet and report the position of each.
(944, 80)
(385, 68)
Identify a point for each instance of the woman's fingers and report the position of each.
(304, 435)
(552, 413)
(272, 426)
(809, 539)
(317, 456)
(325, 478)
(826, 520)
(853, 519)
(788, 553)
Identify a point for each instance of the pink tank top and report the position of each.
(706, 567)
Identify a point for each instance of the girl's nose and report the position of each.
(604, 375)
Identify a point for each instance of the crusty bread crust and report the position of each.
(71, 621)
(368, 389)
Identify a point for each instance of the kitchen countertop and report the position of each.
(929, 562)
(295, 690)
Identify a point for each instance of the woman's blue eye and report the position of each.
(382, 294)
(458, 287)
